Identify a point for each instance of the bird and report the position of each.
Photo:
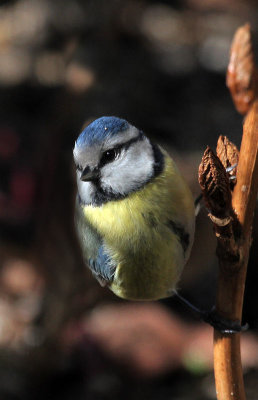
(134, 213)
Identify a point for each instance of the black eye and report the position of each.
(78, 167)
(109, 156)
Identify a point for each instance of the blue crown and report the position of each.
(100, 129)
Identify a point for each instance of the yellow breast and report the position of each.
(136, 232)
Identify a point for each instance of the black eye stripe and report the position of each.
(109, 156)
(124, 145)
(138, 138)
(115, 152)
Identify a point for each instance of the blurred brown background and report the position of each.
(161, 65)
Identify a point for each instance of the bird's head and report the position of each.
(113, 158)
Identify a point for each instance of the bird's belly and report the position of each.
(144, 282)
(149, 274)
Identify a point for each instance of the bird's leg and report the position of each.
(222, 325)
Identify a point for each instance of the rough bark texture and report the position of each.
(233, 223)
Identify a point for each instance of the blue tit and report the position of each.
(135, 214)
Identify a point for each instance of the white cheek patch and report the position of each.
(131, 170)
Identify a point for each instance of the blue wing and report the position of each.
(102, 267)
(93, 249)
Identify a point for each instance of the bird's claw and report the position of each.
(221, 324)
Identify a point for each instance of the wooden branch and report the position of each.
(233, 219)
(231, 283)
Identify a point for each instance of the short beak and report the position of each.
(88, 175)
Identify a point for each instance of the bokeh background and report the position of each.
(161, 65)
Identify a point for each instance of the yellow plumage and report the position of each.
(137, 232)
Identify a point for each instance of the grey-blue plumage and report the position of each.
(93, 248)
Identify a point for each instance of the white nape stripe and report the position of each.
(121, 138)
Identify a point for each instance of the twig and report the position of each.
(231, 283)
(233, 221)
